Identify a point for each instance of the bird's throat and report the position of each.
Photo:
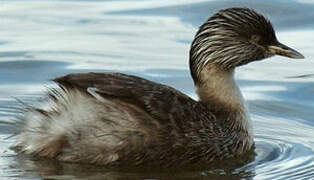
(218, 90)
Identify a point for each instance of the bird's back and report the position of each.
(115, 118)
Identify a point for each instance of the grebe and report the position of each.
(118, 119)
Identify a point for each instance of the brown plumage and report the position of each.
(118, 119)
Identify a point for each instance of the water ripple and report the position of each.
(286, 153)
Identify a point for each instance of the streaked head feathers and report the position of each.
(232, 37)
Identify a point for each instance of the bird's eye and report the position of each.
(255, 38)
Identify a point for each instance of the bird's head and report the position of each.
(233, 37)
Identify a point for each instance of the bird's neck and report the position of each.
(218, 90)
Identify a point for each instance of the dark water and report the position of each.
(150, 38)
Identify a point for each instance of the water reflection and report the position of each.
(54, 169)
(151, 39)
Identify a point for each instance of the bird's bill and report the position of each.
(283, 50)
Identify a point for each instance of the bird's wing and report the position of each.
(161, 102)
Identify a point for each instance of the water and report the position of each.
(44, 39)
